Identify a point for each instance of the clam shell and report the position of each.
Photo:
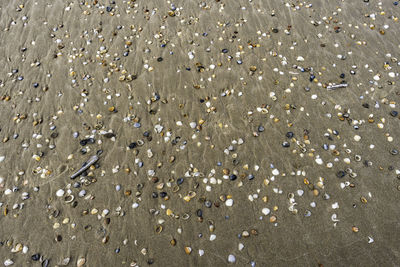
(176, 188)
(69, 198)
(80, 262)
(159, 229)
(192, 194)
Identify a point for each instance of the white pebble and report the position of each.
(300, 58)
(201, 252)
(357, 138)
(135, 205)
(2, 158)
(275, 172)
(213, 237)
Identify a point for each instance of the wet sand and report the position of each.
(219, 139)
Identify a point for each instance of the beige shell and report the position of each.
(80, 262)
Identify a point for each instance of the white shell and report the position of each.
(266, 211)
(60, 192)
(8, 262)
(231, 258)
(80, 262)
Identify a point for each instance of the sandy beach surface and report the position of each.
(246, 132)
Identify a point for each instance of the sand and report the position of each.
(200, 78)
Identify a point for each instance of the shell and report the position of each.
(69, 198)
(94, 211)
(80, 262)
(211, 228)
(176, 188)
(160, 186)
(188, 250)
(140, 142)
(159, 229)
